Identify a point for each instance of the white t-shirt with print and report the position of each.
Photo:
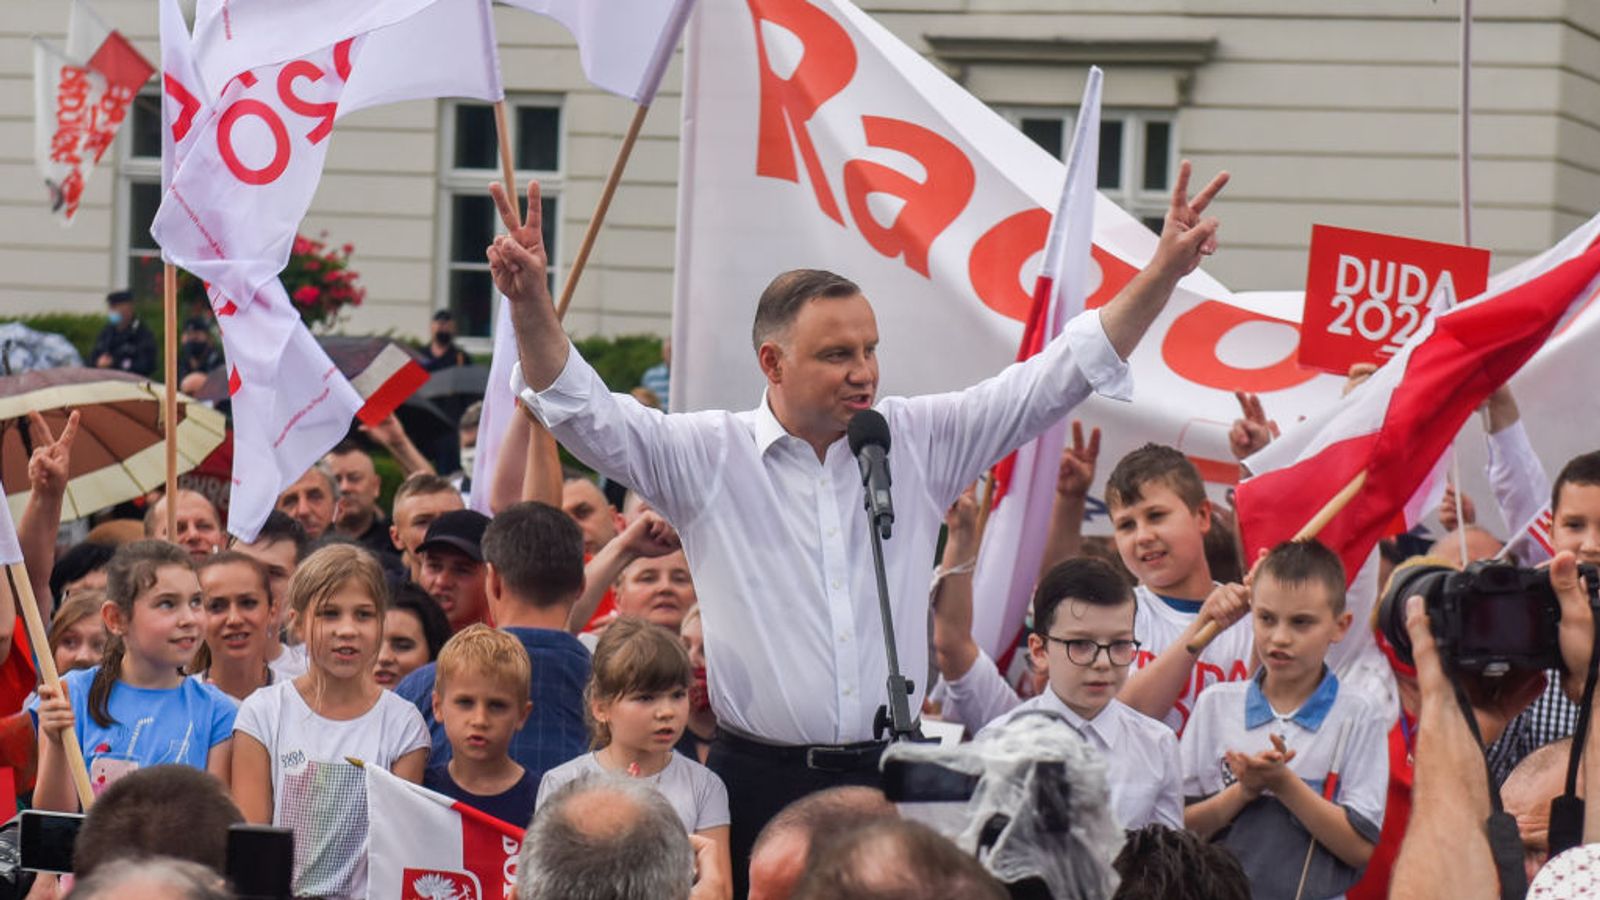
(695, 792)
(316, 790)
(1158, 626)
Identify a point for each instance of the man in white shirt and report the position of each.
(768, 502)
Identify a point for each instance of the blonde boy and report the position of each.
(480, 695)
(1286, 767)
(1160, 517)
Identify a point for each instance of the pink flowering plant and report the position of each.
(318, 279)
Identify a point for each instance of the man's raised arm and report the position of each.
(1186, 238)
(519, 264)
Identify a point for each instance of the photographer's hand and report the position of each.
(1446, 851)
(1577, 623)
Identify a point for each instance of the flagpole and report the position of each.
(507, 169)
(28, 605)
(169, 410)
(1465, 117)
(570, 283)
(1209, 631)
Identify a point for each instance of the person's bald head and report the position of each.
(605, 838)
(781, 850)
(1526, 795)
(1480, 545)
(199, 527)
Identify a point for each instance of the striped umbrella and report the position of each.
(120, 450)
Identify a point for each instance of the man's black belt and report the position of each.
(839, 758)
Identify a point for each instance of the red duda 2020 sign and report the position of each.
(1368, 293)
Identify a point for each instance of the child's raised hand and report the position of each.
(55, 711)
(1227, 604)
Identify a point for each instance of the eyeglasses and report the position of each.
(1083, 652)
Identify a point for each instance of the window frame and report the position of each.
(453, 181)
(130, 170)
(1132, 196)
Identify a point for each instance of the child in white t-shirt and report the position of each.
(295, 738)
(1287, 769)
(1160, 517)
(638, 707)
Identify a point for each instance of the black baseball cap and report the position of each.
(444, 315)
(459, 529)
(115, 297)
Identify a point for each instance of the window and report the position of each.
(468, 221)
(138, 196)
(1138, 155)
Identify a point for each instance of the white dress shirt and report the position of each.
(778, 542)
(1143, 770)
(1521, 487)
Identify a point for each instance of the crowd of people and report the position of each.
(675, 696)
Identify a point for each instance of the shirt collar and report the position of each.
(768, 430)
(1099, 726)
(1258, 712)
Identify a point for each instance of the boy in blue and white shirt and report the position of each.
(1083, 636)
(1283, 760)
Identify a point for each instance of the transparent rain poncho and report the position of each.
(1040, 807)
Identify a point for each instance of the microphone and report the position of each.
(869, 443)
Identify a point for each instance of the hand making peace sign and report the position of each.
(1185, 237)
(517, 259)
(50, 466)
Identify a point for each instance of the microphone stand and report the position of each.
(895, 716)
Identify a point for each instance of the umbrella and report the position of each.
(120, 451)
(23, 349)
(454, 389)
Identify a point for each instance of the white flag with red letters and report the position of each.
(82, 95)
(624, 45)
(424, 845)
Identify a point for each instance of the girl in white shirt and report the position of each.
(638, 707)
(296, 737)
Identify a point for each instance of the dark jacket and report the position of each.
(132, 349)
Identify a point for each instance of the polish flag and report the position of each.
(1396, 426)
(17, 678)
(235, 202)
(82, 95)
(624, 45)
(1014, 539)
(424, 845)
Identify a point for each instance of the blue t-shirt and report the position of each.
(513, 806)
(555, 731)
(151, 727)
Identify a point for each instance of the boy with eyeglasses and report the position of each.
(1083, 637)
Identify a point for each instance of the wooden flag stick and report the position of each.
(570, 283)
(507, 169)
(1209, 631)
(28, 605)
(169, 409)
(985, 503)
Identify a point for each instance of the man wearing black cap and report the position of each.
(198, 352)
(452, 566)
(441, 351)
(124, 344)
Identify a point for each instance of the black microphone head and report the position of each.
(868, 428)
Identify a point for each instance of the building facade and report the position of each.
(1326, 111)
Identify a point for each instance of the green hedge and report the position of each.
(622, 360)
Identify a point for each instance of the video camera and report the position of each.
(1490, 618)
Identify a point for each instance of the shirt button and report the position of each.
(848, 691)
(844, 637)
(836, 584)
(832, 532)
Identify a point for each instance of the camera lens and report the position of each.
(1419, 575)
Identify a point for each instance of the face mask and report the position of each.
(445, 337)
(469, 455)
(116, 317)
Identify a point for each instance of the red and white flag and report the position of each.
(1396, 425)
(624, 45)
(237, 198)
(1025, 481)
(424, 845)
(82, 95)
(10, 550)
(17, 677)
